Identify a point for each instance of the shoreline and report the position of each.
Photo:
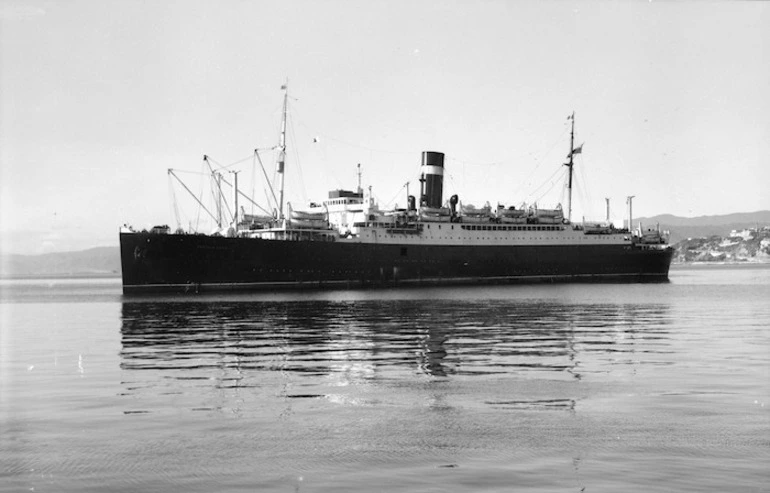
(74, 275)
(684, 265)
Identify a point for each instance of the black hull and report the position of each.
(197, 263)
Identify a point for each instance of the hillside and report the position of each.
(682, 228)
(101, 261)
(750, 245)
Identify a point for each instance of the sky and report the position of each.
(98, 99)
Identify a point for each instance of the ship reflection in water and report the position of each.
(314, 349)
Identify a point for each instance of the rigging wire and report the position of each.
(189, 172)
(191, 192)
(584, 197)
(546, 182)
(452, 183)
(395, 197)
(541, 160)
(198, 217)
(221, 166)
(553, 184)
(296, 156)
(267, 181)
(464, 162)
(216, 195)
(253, 180)
(322, 144)
(588, 202)
(344, 142)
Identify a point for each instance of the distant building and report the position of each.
(746, 234)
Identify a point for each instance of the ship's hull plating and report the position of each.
(185, 263)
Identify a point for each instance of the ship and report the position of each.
(347, 242)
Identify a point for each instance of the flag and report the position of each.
(578, 150)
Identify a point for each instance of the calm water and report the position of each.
(517, 388)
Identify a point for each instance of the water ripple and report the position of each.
(235, 344)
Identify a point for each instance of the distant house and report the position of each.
(746, 234)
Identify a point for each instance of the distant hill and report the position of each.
(682, 228)
(101, 261)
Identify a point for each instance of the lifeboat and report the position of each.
(548, 216)
(476, 216)
(512, 215)
(308, 216)
(441, 214)
(549, 213)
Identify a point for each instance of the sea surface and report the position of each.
(543, 388)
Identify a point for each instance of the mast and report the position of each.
(359, 190)
(235, 199)
(282, 147)
(569, 166)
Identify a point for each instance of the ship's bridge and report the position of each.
(342, 200)
(344, 208)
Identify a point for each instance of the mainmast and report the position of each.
(569, 166)
(282, 148)
(572, 151)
